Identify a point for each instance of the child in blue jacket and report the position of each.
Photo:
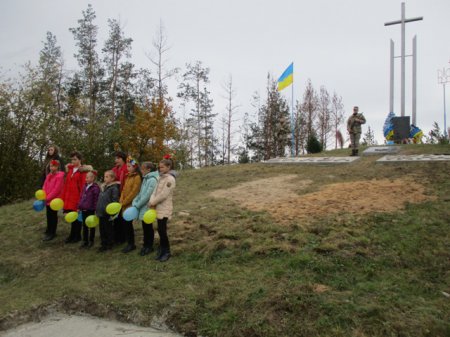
(149, 182)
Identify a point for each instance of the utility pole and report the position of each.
(444, 78)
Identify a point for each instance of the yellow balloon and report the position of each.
(40, 195)
(56, 204)
(113, 208)
(92, 221)
(149, 216)
(71, 217)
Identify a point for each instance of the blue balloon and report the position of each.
(39, 205)
(80, 217)
(130, 213)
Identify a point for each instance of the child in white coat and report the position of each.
(161, 201)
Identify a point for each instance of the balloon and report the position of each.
(113, 208)
(56, 204)
(40, 195)
(80, 217)
(92, 221)
(149, 216)
(130, 213)
(38, 205)
(71, 217)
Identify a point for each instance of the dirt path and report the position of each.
(280, 196)
(82, 326)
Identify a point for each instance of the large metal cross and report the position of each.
(403, 21)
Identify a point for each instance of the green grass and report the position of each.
(236, 272)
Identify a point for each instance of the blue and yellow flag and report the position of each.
(286, 78)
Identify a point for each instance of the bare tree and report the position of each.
(337, 115)
(159, 61)
(324, 116)
(309, 107)
(231, 109)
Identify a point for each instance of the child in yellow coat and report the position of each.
(130, 190)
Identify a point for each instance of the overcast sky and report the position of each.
(342, 45)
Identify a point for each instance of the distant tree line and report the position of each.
(107, 104)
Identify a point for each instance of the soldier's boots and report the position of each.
(354, 153)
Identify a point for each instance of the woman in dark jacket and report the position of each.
(52, 154)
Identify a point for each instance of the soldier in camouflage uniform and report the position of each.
(354, 123)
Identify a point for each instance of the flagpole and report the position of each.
(292, 118)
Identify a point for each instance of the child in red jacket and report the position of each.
(75, 180)
(53, 187)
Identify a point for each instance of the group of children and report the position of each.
(144, 187)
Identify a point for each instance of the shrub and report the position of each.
(313, 145)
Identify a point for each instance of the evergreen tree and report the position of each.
(48, 95)
(118, 71)
(92, 118)
(436, 137)
(271, 135)
(244, 131)
(300, 130)
(91, 73)
(18, 152)
(369, 138)
(193, 89)
(313, 145)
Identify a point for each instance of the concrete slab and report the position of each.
(378, 150)
(82, 326)
(414, 158)
(312, 160)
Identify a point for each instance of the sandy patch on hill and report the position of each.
(279, 196)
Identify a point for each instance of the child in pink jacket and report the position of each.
(53, 187)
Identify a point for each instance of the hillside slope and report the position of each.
(259, 250)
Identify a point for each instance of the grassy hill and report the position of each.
(260, 250)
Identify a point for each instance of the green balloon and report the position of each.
(56, 204)
(149, 216)
(71, 217)
(40, 195)
(113, 208)
(92, 221)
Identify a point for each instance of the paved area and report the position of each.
(379, 150)
(389, 151)
(414, 158)
(312, 160)
(82, 326)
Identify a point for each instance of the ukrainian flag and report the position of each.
(286, 78)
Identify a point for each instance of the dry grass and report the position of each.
(340, 268)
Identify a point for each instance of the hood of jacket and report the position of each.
(173, 173)
(104, 186)
(154, 174)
